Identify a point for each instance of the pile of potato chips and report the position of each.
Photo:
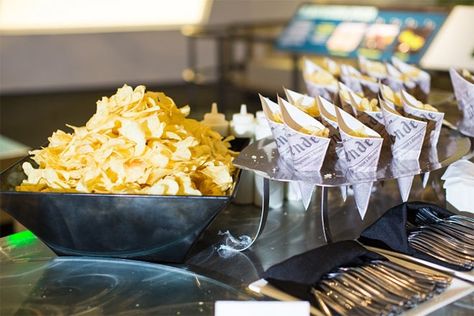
(137, 142)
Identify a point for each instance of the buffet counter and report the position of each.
(35, 281)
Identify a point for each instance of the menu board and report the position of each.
(348, 31)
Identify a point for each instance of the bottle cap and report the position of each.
(243, 117)
(214, 117)
(216, 121)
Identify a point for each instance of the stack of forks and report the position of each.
(450, 239)
(376, 288)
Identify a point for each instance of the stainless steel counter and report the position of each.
(34, 281)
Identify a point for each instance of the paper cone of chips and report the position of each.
(397, 81)
(425, 111)
(306, 191)
(407, 133)
(362, 192)
(362, 146)
(331, 66)
(273, 116)
(369, 114)
(416, 75)
(329, 119)
(464, 93)
(303, 102)
(403, 170)
(374, 69)
(361, 143)
(408, 136)
(328, 111)
(308, 138)
(319, 82)
(392, 98)
(359, 82)
(345, 98)
(349, 76)
(362, 105)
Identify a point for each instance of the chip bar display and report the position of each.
(137, 142)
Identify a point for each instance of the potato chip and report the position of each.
(366, 105)
(137, 142)
(314, 131)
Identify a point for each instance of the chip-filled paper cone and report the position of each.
(349, 76)
(303, 102)
(358, 82)
(404, 186)
(420, 77)
(362, 192)
(392, 98)
(464, 92)
(308, 151)
(396, 81)
(356, 100)
(344, 97)
(408, 136)
(273, 116)
(332, 66)
(361, 143)
(403, 171)
(410, 107)
(374, 69)
(327, 88)
(362, 154)
(306, 191)
(328, 111)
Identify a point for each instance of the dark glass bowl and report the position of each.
(155, 228)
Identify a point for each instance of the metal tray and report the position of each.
(262, 157)
(155, 228)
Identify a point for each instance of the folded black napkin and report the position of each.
(298, 274)
(390, 231)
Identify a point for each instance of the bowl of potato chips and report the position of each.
(140, 180)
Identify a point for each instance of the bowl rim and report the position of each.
(231, 192)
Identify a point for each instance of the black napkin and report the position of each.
(390, 231)
(298, 274)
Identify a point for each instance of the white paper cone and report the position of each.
(316, 90)
(404, 186)
(328, 111)
(308, 151)
(367, 66)
(303, 102)
(408, 133)
(409, 105)
(362, 192)
(404, 171)
(306, 190)
(344, 97)
(362, 153)
(349, 76)
(423, 79)
(355, 101)
(395, 80)
(464, 92)
(331, 66)
(270, 108)
(326, 91)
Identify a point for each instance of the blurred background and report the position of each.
(57, 58)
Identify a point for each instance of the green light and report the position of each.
(21, 239)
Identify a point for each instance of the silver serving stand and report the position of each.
(263, 159)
